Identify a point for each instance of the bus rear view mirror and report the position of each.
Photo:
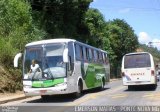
(16, 58)
(65, 55)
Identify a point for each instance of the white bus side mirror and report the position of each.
(65, 55)
(16, 58)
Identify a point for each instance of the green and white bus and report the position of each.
(80, 67)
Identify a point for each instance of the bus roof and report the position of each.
(49, 41)
(58, 41)
(136, 53)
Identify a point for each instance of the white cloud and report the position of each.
(126, 10)
(144, 38)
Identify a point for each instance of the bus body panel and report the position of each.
(138, 75)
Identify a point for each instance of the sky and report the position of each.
(142, 15)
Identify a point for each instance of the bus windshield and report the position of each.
(44, 62)
(137, 61)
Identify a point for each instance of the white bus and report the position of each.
(63, 66)
(138, 69)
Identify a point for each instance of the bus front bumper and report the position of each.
(45, 91)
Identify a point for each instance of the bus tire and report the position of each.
(79, 90)
(103, 84)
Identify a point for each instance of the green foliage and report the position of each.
(16, 29)
(7, 51)
(120, 40)
(60, 18)
(154, 51)
(95, 25)
(14, 14)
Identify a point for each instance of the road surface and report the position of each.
(114, 94)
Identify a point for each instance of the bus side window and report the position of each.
(106, 59)
(69, 64)
(103, 58)
(98, 58)
(81, 53)
(84, 54)
(90, 55)
(95, 56)
(71, 57)
(77, 52)
(87, 54)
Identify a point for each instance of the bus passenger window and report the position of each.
(100, 57)
(106, 59)
(77, 52)
(81, 53)
(84, 54)
(95, 56)
(90, 55)
(103, 58)
(87, 54)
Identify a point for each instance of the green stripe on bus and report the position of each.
(94, 75)
(47, 83)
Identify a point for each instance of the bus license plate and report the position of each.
(43, 91)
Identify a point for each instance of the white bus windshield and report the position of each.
(48, 62)
(137, 61)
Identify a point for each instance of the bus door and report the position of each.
(70, 68)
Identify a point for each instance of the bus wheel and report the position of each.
(79, 90)
(44, 97)
(103, 84)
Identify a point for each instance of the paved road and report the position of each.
(115, 94)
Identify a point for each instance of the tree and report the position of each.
(16, 25)
(95, 26)
(122, 37)
(122, 40)
(60, 18)
(154, 51)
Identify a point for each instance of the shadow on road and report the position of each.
(141, 88)
(55, 99)
(66, 97)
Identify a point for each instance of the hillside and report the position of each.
(9, 81)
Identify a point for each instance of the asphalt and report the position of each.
(5, 99)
